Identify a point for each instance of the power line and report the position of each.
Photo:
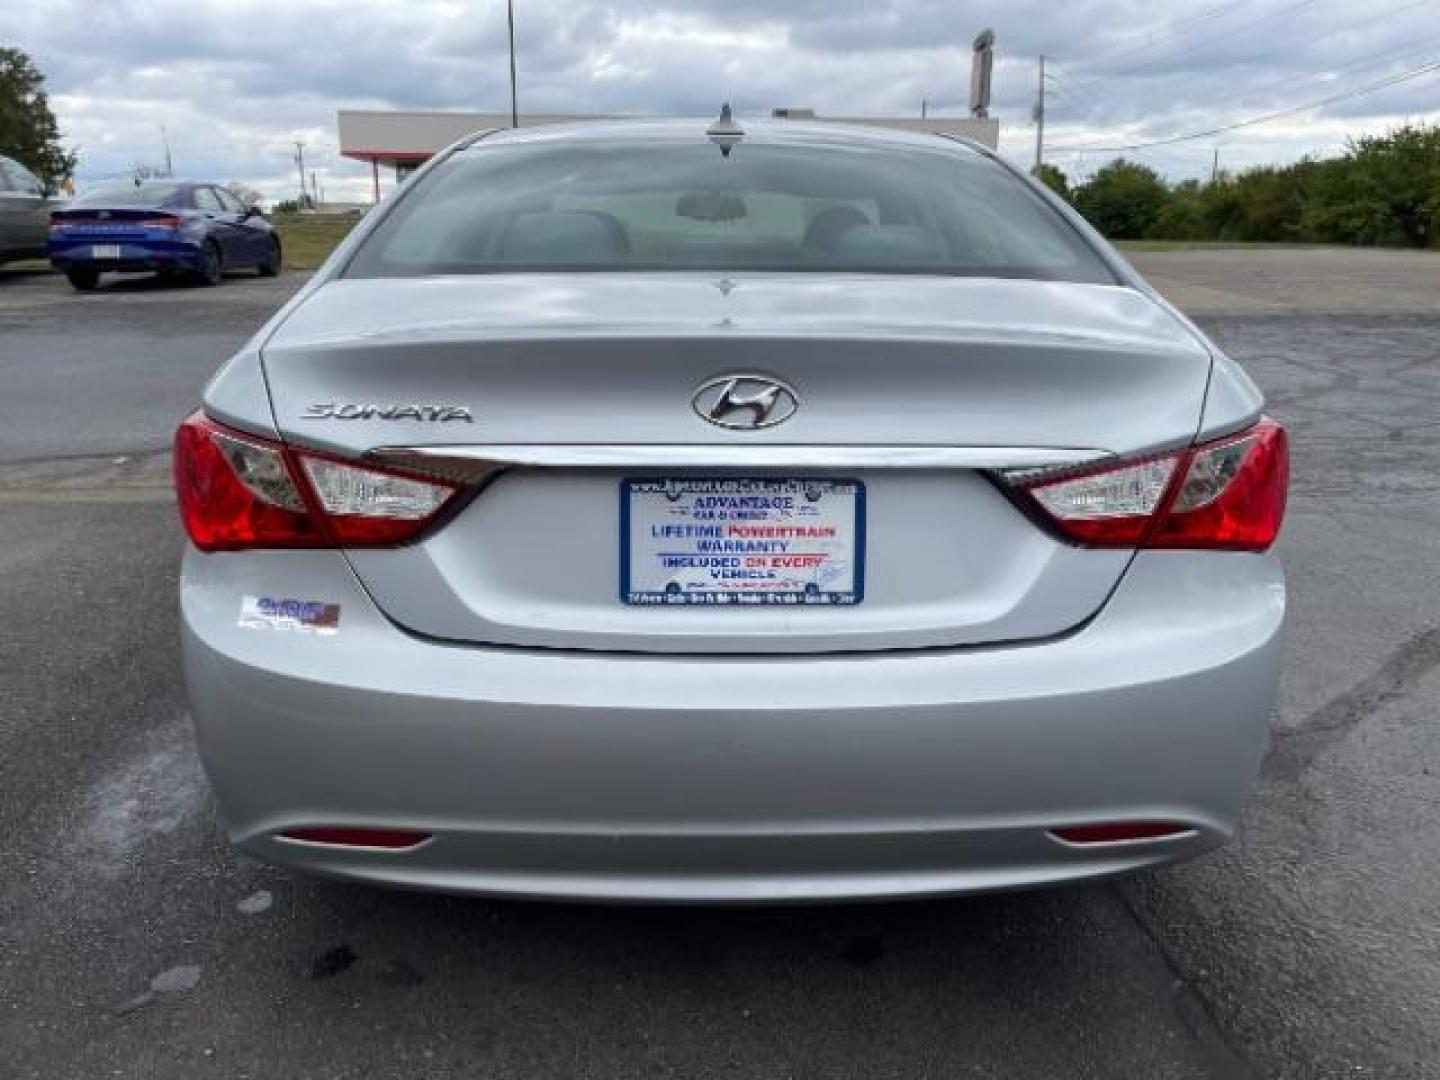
(1166, 32)
(1173, 161)
(1328, 31)
(1379, 84)
(1405, 51)
(1314, 82)
(1168, 51)
(1293, 9)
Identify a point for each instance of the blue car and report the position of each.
(176, 228)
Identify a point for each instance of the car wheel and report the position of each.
(212, 266)
(270, 266)
(83, 279)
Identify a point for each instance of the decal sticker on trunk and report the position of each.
(306, 616)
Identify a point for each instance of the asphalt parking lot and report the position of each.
(133, 943)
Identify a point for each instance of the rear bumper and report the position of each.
(733, 778)
(151, 255)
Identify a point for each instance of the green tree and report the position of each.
(1383, 190)
(1268, 203)
(1054, 178)
(1185, 215)
(28, 131)
(1123, 200)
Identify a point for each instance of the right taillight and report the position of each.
(1227, 494)
(239, 491)
(160, 221)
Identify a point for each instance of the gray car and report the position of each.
(644, 511)
(24, 212)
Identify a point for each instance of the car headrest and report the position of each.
(711, 206)
(559, 236)
(828, 226)
(889, 244)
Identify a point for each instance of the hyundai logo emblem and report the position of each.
(745, 402)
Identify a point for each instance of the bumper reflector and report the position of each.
(389, 839)
(1115, 832)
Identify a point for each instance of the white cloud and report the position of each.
(236, 83)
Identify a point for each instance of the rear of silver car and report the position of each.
(521, 602)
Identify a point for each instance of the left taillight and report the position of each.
(1226, 494)
(237, 491)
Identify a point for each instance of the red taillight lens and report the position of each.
(160, 221)
(240, 491)
(389, 839)
(235, 491)
(1227, 494)
(1233, 494)
(1115, 832)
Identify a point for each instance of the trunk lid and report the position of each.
(117, 223)
(576, 361)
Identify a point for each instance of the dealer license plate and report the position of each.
(741, 541)
(105, 251)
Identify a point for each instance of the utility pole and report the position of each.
(1040, 119)
(1215, 166)
(314, 189)
(165, 139)
(300, 164)
(924, 108)
(514, 106)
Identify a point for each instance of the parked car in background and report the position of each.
(181, 228)
(24, 212)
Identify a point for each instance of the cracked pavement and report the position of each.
(134, 943)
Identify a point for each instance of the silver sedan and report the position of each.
(649, 511)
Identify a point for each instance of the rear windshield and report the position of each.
(673, 205)
(131, 195)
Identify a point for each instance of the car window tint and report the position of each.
(229, 201)
(149, 193)
(830, 206)
(205, 199)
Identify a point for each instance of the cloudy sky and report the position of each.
(236, 82)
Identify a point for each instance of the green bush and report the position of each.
(1123, 200)
(1383, 190)
(1184, 216)
(1055, 179)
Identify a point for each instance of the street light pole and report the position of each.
(514, 106)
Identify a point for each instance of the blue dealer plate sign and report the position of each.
(742, 540)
